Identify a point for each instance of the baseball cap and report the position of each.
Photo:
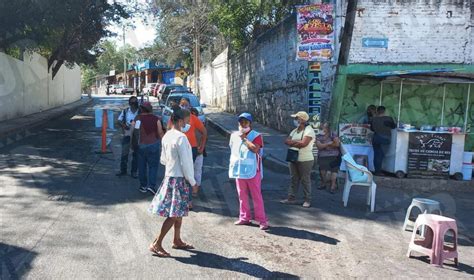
(147, 106)
(302, 115)
(246, 116)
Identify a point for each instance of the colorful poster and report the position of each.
(429, 155)
(315, 32)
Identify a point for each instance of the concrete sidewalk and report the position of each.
(17, 128)
(275, 154)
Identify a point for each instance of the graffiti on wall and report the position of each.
(297, 76)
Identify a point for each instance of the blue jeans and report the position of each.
(378, 142)
(148, 161)
(124, 157)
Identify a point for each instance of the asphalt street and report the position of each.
(65, 215)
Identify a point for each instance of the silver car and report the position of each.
(175, 98)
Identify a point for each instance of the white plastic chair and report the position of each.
(369, 183)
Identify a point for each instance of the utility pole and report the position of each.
(197, 63)
(197, 47)
(124, 59)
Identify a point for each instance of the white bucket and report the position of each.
(467, 172)
(467, 157)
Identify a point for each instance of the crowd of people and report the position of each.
(180, 144)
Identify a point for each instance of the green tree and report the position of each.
(64, 31)
(242, 21)
(183, 26)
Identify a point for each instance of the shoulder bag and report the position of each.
(291, 154)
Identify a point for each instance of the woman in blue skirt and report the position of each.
(172, 200)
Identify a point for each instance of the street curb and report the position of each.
(19, 132)
(276, 165)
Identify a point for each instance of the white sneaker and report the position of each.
(306, 204)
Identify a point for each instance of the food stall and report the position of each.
(426, 150)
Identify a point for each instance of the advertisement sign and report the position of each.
(355, 134)
(429, 155)
(315, 32)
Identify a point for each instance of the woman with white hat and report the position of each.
(300, 157)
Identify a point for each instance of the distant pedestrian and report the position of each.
(198, 144)
(301, 143)
(125, 119)
(246, 167)
(149, 145)
(369, 115)
(329, 157)
(382, 126)
(172, 200)
(199, 161)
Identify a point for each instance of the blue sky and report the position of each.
(140, 35)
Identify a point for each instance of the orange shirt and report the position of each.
(195, 123)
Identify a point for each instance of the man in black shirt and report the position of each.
(382, 126)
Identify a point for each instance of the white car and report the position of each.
(123, 89)
(148, 88)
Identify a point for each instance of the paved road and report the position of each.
(64, 215)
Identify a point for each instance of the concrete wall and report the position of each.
(213, 82)
(26, 86)
(267, 80)
(417, 31)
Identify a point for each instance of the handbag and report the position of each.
(291, 154)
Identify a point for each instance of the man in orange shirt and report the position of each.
(197, 145)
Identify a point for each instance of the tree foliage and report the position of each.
(242, 21)
(64, 31)
(180, 24)
(217, 23)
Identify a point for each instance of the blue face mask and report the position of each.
(296, 123)
(185, 128)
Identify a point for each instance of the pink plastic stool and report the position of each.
(433, 242)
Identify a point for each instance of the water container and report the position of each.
(467, 172)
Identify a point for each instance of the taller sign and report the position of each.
(315, 32)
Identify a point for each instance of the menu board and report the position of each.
(429, 155)
(355, 134)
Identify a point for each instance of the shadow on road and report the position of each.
(448, 264)
(210, 260)
(14, 261)
(302, 234)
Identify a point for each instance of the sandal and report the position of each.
(322, 187)
(157, 252)
(183, 246)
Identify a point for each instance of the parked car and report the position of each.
(176, 97)
(166, 90)
(113, 88)
(123, 89)
(149, 88)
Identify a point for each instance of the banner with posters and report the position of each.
(315, 32)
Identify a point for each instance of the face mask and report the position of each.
(133, 104)
(185, 128)
(296, 123)
(184, 107)
(244, 130)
